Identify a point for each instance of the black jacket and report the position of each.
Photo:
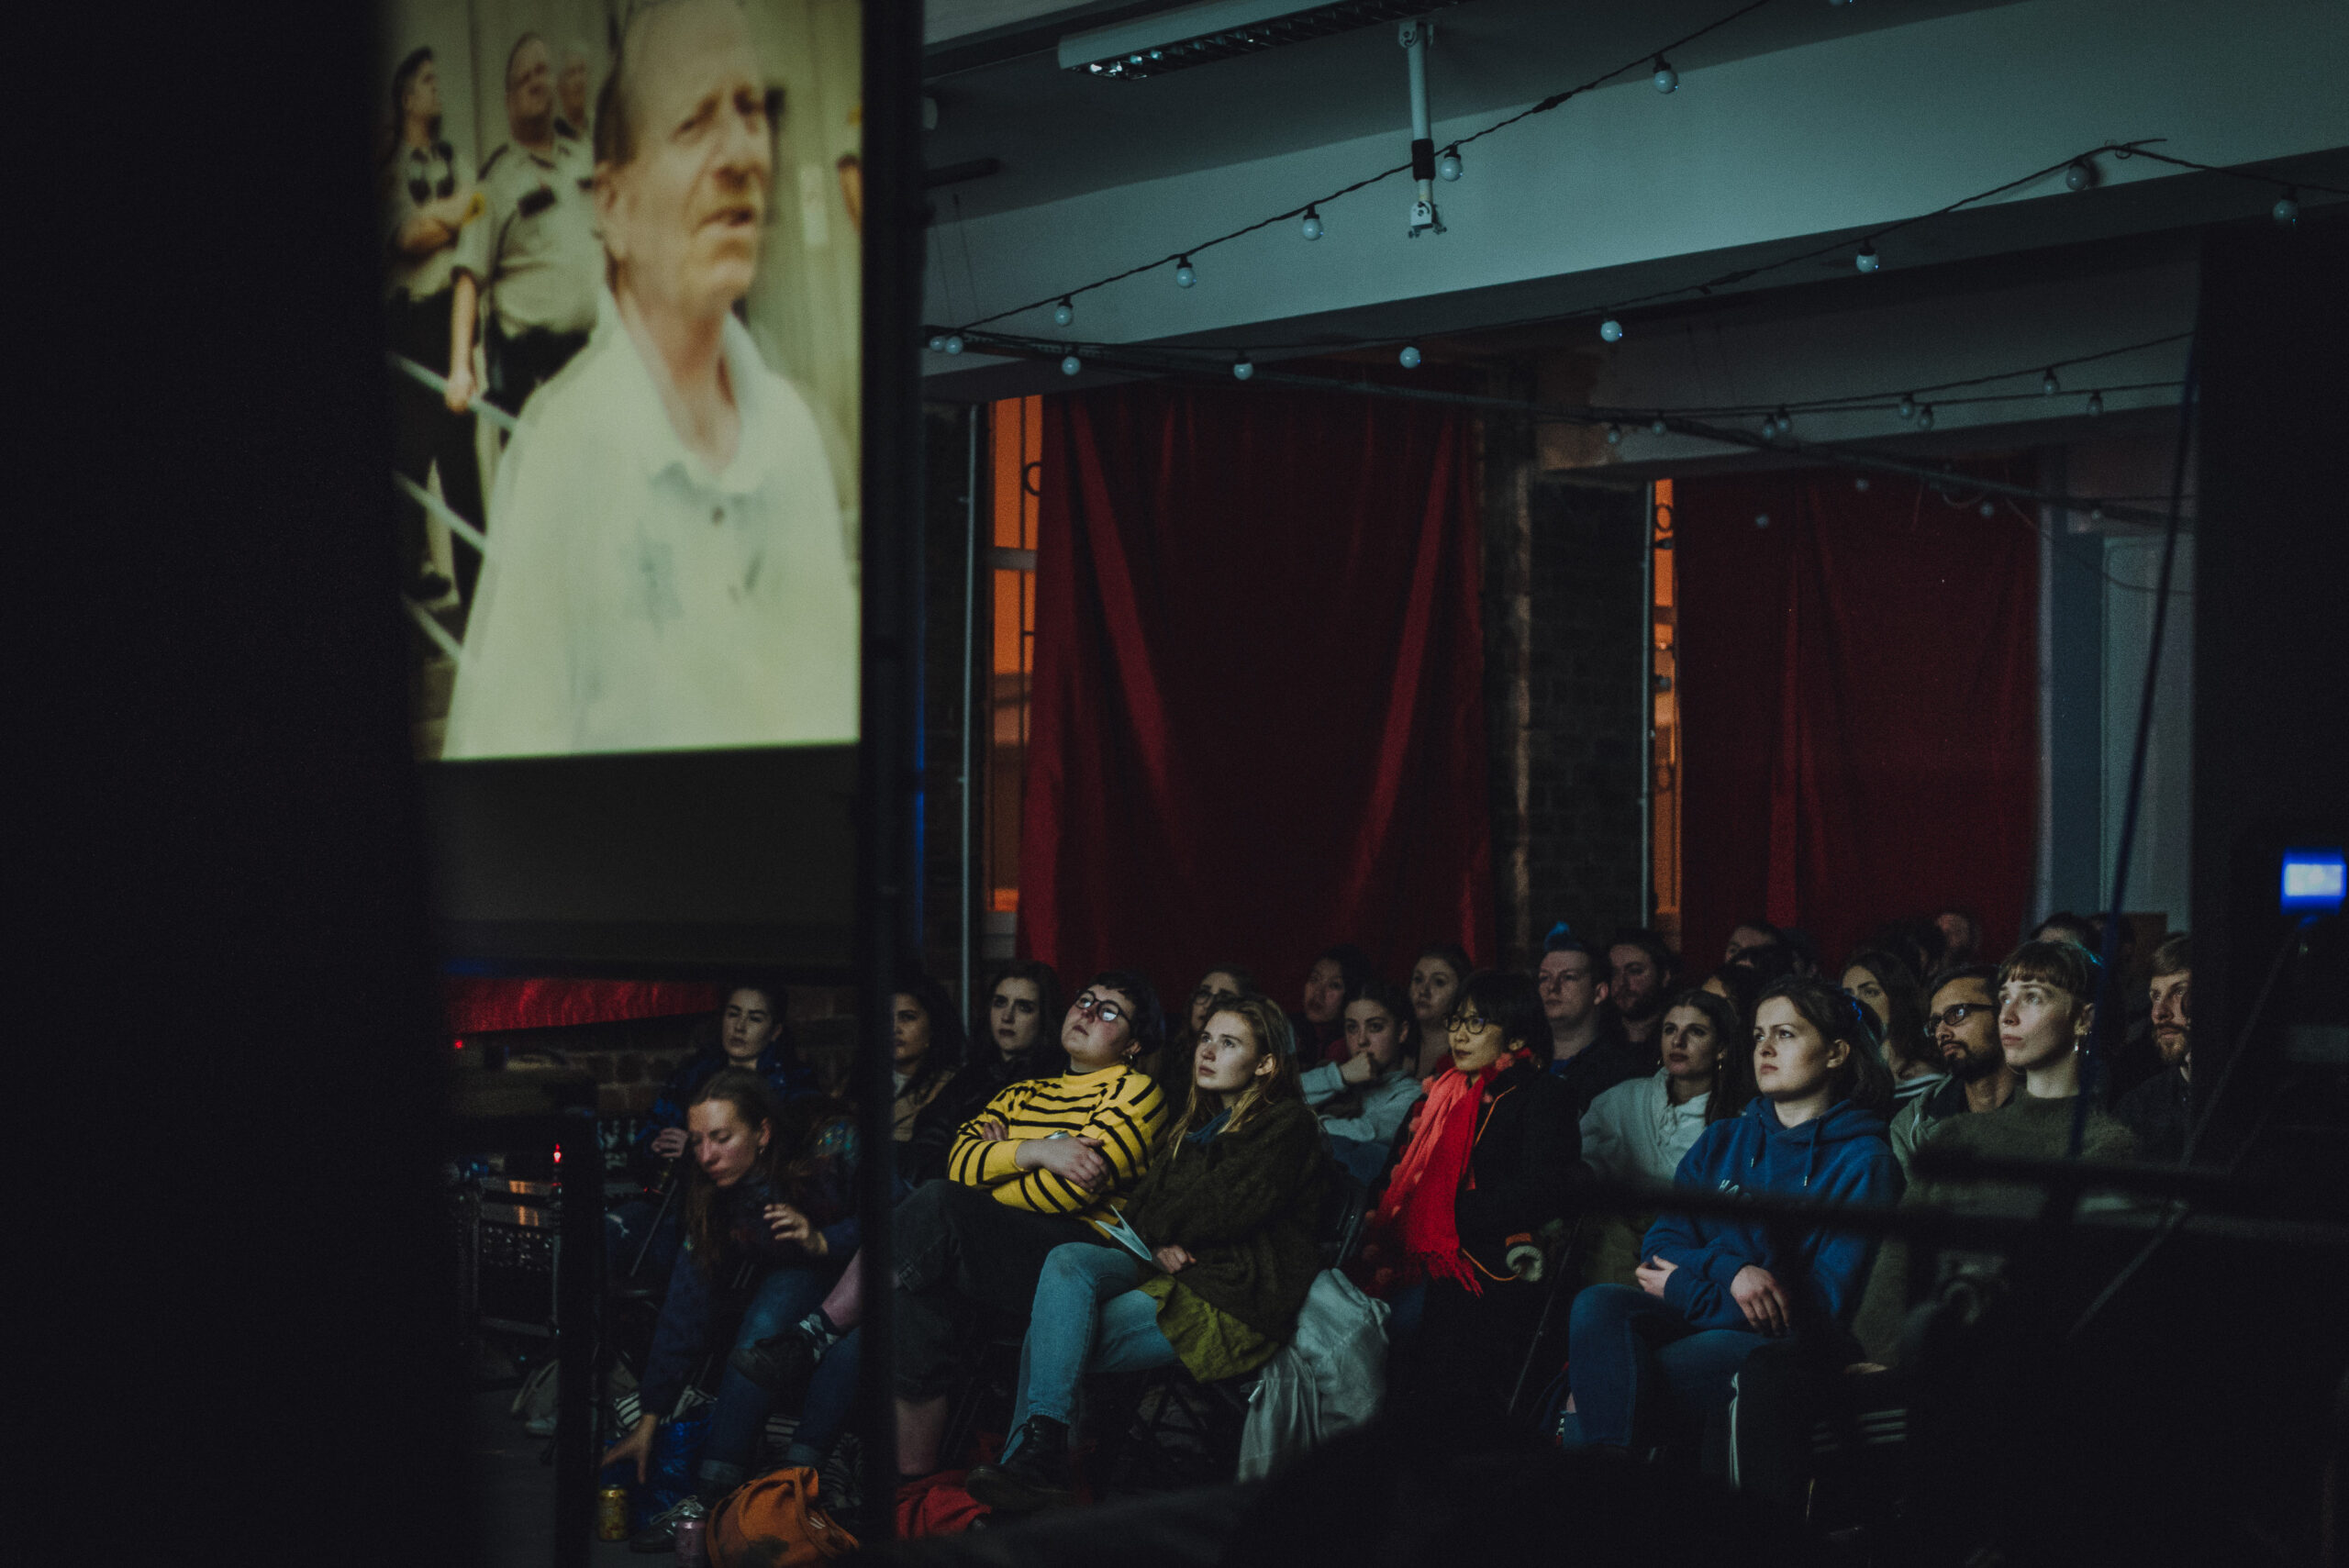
(1609, 1060)
(1528, 1146)
(2158, 1111)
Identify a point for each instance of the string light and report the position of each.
(1657, 428)
(1611, 330)
(1925, 417)
(1867, 261)
(1761, 519)
(1908, 409)
(1447, 167)
(1064, 312)
(1989, 510)
(1614, 435)
(953, 344)
(1769, 426)
(1243, 367)
(2079, 174)
(2286, 210)
(937, 342)
(1311, 226)
(2048, 385)
(1786, 421)
(1666, 80)
(2096, 402)
(1184, 274)
(1071, 365)
(1409, 356)
(1861, 483)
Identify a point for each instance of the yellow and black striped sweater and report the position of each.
(1120, 1106)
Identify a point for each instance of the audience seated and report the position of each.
(1335, 979)
(928, 1041)
(1639, 1131)
(2157, 1112)
(1014, 1041)
(1226, 1211)
(1489, 1162)
(1960, 937)
(1964, 1021)
(1712, 1290)
(1043, 1159)
(1436, 977)
(1171, 1065)
(641, 1237)
(1642, 974)
(1362, 1100)
(779, 1205)
(1588, 1049)
(1748, 934)
(1916, 942)
(1884, 982)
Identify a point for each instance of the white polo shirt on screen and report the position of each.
(633, 599)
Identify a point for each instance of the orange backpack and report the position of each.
(773, 1522)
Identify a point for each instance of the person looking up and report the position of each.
(1362, 1100)
(1489, 1162)
(1639, 1129)
(1748, 934)
(1037, 1168)
(1228, 1209)
(1588, 1051)
(2159, 1110)
(1334, 979)
(927, 1049)
(1647, 1363)
(1885, 985)
(1436, 975)
(1171, 1066)
(782, 1209)
(1641, 969)
(1963, 1024)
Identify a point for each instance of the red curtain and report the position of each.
(1857, 688)
(478, 1004)
(1258, 722)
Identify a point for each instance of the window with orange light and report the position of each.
(1015, 467)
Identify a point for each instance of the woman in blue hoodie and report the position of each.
(1713, 1289)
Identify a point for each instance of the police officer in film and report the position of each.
(545, 262)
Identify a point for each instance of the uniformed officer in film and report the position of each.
(545, 263)
(666, 567)
(570, 119)
(431, 229)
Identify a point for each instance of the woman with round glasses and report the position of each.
(1490, 1159)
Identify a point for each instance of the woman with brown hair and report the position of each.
(774, 1200)
(1226, 1215)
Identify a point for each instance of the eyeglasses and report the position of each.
(1091, 1007)
(1214, 994)
(1956, 1014)
(1463, 1023)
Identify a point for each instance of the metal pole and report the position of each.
(970, 707)
(1647, 710)
(890, 716)
(1413, 35)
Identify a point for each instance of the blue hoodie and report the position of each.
(1839, 1157)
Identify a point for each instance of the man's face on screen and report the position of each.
(682, 217)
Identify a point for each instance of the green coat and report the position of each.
(1245, 1206)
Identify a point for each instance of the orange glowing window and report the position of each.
(1015, 468)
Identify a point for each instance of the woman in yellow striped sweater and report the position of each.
(1029, 1173)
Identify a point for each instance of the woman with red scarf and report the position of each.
(1490, 1161)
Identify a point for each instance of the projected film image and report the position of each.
(621, 258)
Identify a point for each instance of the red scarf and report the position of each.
(1417, 1212)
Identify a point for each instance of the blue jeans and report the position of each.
(1087, 1317)
(737, 1425)
(1632, 1358)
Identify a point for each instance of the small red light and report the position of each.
(557, 1153)
(461, 1043)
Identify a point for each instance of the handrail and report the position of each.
(433, 628)
(442, 510)
(440, 384)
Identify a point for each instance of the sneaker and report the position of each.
(1036, 1475)
(660, 1532)
(781, 1363)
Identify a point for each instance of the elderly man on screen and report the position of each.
(666, 569)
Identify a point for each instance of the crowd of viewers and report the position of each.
(1135, 1191)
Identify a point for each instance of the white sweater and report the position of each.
(1635, 1130)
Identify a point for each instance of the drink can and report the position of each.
(693, 1542)
(611, 1514)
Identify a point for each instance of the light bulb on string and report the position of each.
(1657, 428)
(1614, 435)
(1861, 483)
(1761, 519)
(1064, 312)
(953, 344)
(2048, 385)
(1447, 167)
(1867, 261)
(1769, 426)
(1071, 365)
(1243, 367)
(2096, 514)
(2079, 174)
(1611, 331)
(1409, 356)
(1786, 421)
(1311, 226)
(1987, 510)
(937, 342)
(1908, 409)
(1666, 80)
(1184, 274)
(1924, 417)
(2286, 210)
(2096, 402)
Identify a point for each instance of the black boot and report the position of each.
(781, 1363)
(1034, 1477)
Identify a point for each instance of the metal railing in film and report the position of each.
(459, 526)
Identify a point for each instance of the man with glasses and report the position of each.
(1962, 1020)
(1588, 1050)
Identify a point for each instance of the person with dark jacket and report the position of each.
(1490, 1159)
(2159, 1110)
(1226, 1214)
(770, 1209)
(1713, 1290)
(1588, 1051)
(1014, 1041)
(641, 1235)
